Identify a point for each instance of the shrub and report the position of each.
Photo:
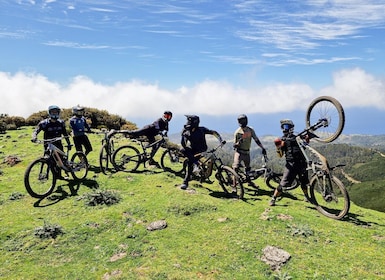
(48, 231)
(101, 197)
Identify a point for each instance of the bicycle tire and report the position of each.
(39, 178)
(172, 160)
(337, 207)
(230, 181)
(79, 166)
(126, 158)
(104, 159)
(273, 181)
(331, 109)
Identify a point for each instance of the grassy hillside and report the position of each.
(207, 236)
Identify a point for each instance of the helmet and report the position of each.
(167, 116)
(242, 120)
(78, 111)
(192, 122)
(287, 126)
(54, 112)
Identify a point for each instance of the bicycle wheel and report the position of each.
(173, 160)
(39, 179)
(329, 108)
(230, 181)
(329, 196)
(273, 180)
(104, 158)
(126, 158)
(79, 166)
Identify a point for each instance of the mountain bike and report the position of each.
(107, 149)
(228, 179)
(271, 178)
(327, 192)
(128, 157)
(41, 175)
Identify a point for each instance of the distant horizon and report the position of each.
(216, 59)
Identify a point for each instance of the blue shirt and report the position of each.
(79, 126)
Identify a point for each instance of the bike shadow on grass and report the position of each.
(65, 189)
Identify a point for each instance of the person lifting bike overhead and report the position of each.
(296, 164)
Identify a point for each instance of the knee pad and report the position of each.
(279, 188)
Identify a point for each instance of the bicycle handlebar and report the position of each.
(51, 140)
(307, 131)
(212, 150)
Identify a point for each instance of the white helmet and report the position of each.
(78, 111)
(54, 112)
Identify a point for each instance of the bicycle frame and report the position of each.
(56, 154)
(256, 173)
(208, 160)
(144, 155)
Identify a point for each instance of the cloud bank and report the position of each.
(25, 93)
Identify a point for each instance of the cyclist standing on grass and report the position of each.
(151, 130)
(242, 144)
(296, 163)
(79, 127)
(193, 142)
(53, 127)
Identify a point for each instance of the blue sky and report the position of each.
(217, 59)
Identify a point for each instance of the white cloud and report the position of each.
(356, 88)
(25, 93)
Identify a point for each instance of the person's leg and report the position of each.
(246, 161)
(190, 161)
(287, 179)
(87, 145)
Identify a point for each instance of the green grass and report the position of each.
(207, 236)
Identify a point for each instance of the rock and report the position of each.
(275, 257)
(161, 224)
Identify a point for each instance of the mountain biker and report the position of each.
(296, 163)
(242, 143)
(193, 141)
(53, 127)
(151, 130)
(79, 126)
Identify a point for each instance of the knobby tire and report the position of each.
(338, 206)
(39, 178)
(79, 166)
(331, 109)
(172, 160)
(274, 179)
(104, 159)
(126, 158)
(230, 181)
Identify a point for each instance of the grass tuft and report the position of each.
(101, 197)
(48, 230)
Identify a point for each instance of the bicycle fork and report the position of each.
(324, 183)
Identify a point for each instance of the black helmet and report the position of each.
(78, 111)
(192, 122)
(242, 120)
(54, 112)
(167, 116)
